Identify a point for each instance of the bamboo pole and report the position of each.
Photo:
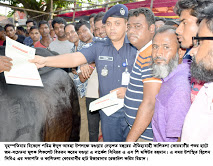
(51, 9)
(73, 17)
(19, 8)
(151, 4)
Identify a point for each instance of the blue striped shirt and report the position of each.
(141, 73)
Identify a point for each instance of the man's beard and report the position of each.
(199, 72)
(163, 70)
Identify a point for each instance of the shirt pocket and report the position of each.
(105, 69)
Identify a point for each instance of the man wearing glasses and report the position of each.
(188, 10)
(198, 124)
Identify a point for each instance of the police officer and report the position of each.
(114, 57)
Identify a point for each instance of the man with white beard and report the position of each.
(173, 100)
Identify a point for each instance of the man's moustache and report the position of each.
(160, 58)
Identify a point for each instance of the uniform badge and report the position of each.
(87, 45)
(104, 71)
(105, 58)
(122, 11)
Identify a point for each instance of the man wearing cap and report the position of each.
(113, 56)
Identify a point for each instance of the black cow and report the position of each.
(30, 113)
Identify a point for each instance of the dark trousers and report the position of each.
(93, 122)
(114, 127)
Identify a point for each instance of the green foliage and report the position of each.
(44, 5)
(10, 14)
(38, 5)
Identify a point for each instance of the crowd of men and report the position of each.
(162, 69)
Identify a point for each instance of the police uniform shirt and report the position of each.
(105, 55)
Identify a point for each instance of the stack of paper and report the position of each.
(108, 103)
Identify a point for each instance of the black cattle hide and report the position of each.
(50, 113)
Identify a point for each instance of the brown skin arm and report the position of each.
(61, 61)
(121, 91)
(74, 71)
(5, 63)
(82, 79)
(178, 139)
(87, 70)
(145, 111)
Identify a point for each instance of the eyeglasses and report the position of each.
(196, 40)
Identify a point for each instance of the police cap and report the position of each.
(119, 10)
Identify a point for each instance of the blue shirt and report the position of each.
(141, 73)
(28, 41)
(187, 57)
(104, 54)
(79, 47)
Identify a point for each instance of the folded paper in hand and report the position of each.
(108, 103)
(23, 72)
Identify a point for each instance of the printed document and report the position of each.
(23, 72)
(108, 103)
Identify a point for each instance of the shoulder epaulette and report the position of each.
(98, 39)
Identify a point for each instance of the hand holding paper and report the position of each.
(121, 91)
(105, 101)
(5, 63)
(23, 72)
(39, 61)
(108, 103)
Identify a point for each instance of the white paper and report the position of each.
(112, 109)
(125, 78)
(108, 103)
(23, 72)
(105, 101)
